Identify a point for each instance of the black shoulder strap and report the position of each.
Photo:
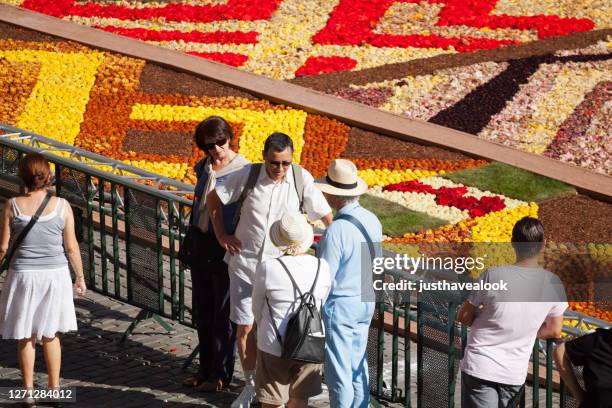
(311, 292)
(312, 288)
(361, 228)
(27, 229)
(295, 286)
(250, 184)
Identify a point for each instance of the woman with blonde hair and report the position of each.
(37, 297)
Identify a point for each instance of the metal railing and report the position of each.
(130, 223)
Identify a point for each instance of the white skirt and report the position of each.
(37, 302)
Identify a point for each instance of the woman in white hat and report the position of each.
(282, 381)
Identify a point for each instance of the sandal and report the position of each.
(193, 381)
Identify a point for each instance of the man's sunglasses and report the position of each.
(279, 163)
(210, 146)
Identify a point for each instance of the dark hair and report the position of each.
(527, 237)
(278, 142)
(212, 130)
(34, 171)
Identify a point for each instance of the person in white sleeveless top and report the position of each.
(37, 297)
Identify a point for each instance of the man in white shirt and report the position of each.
(502, 333)
(273, 194)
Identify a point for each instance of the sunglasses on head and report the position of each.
(279, 163)
(210, 146)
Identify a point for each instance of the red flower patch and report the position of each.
(452, 197)
(232, 10)
(227, 58)
(221, 37)
(325, 65)
(353, 22)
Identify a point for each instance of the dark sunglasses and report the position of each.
(279, 163)
(210, 146)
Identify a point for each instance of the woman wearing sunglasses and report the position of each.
(204, 256)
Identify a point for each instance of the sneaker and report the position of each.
(246, 398)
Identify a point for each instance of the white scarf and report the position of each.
(238, 162)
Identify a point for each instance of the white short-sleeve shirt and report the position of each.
(266, 203)
(503, 333)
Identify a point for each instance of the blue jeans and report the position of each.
(347, 322)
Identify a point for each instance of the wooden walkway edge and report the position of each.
(588, 182)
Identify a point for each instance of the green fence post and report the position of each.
(102, 210)
(452, 353)
(562, 394)
(407, 357)
(160, 253)
(115, 222)
(536, 375)
(395, 347)
(89, 195)
(127, 202)
(58, 180)
(381, 349)
(420, 338)
(181, 289)
(549, 373)
(172, 217)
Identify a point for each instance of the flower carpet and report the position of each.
(533, 75)
(68, 91)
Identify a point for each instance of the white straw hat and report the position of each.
(342, 180)
(292, 234)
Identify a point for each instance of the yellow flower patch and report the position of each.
(257, 125)
(57, 103)
(383, 177)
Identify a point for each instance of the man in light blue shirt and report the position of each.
(347, 314)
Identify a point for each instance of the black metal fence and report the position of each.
(130, 232)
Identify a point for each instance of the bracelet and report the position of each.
(80, 278)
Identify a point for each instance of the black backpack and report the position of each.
(304, 338)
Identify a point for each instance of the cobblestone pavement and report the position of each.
(145, 372)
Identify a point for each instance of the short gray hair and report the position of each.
(346, 200)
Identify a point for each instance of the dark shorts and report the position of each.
(478, 393)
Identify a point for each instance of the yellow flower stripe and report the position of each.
(257, 125)
(173, 170)
(383, 177)
(600, 252)
(57, 103)
(497, 226)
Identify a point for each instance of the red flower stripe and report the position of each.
(222, 37)
(233, 10)
(461, 44)
(325, 65)
(227, 58)
(452, 197)
(476, 13)
(352, 23)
